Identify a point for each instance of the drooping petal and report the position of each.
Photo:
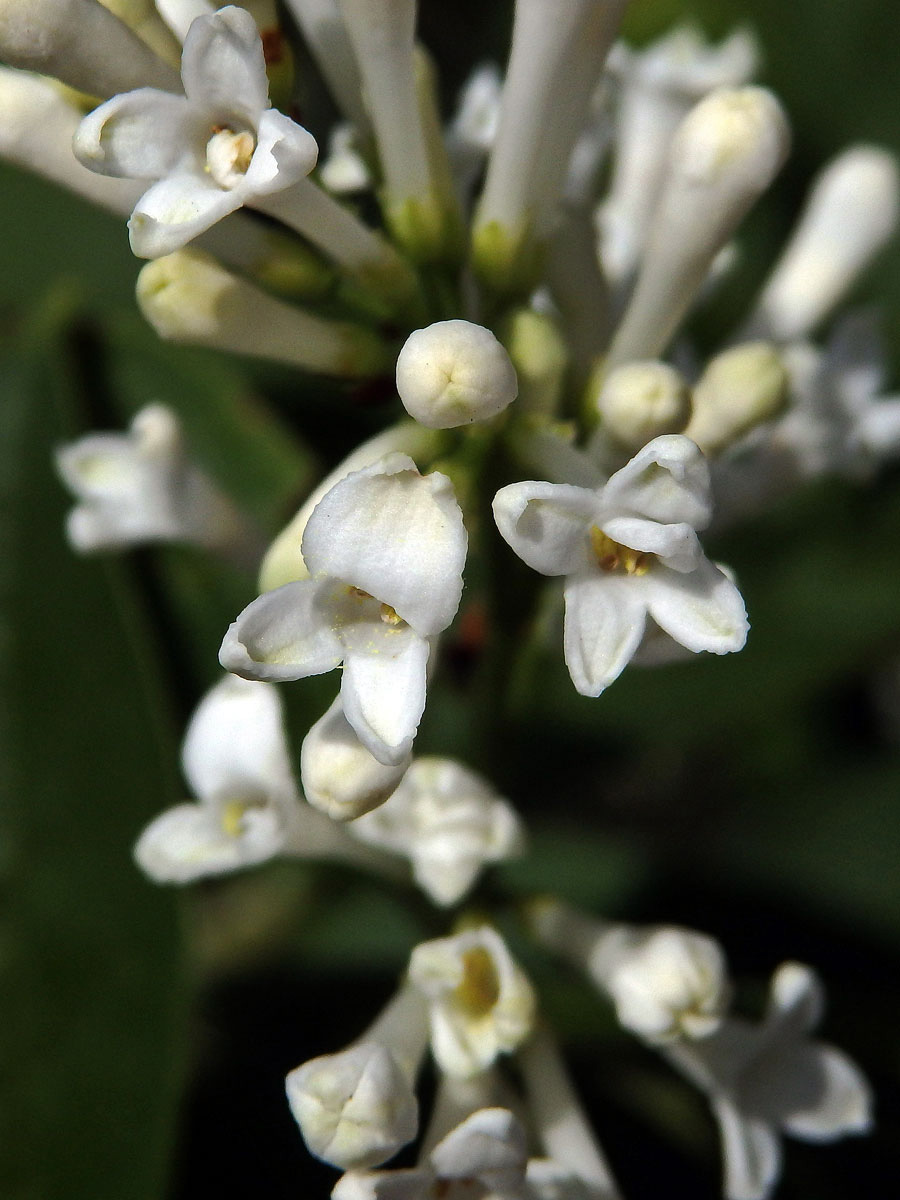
(283, 634)
(547, 524)
(143, 134)
(223, 67)
(702, 610)
(383, 694)
(667, 481)
(489, 1146)
(677, 544)
(191, 841)
(396, 535)
(752, 1153)
(285, 152)
(235, 743)
(176, 210)
(604, 625)
(829, 1096)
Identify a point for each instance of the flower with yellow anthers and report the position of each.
(481, 1003)
(628, 551)
(385, 549)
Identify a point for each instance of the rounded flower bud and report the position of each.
(355, 1108)
(740, 388)
(453, 373)
(639, 401)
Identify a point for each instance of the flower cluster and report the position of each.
(532, 327)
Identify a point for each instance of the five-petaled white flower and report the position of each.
(770, 1076)
(212, 150)
(628, 550)
(449, 822)
(385, 549)
(235, 759)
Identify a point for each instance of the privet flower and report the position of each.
(770, 1077)
(357, 1108)
(448, 821)
(385, 549)
(628, 551)
(640, 401)
(212, 150)
(140, 486)
(480, 1003)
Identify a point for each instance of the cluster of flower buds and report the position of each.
(533, 327)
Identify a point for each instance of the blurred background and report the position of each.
(756, 797)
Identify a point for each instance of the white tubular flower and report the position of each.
(472, 131)
(385, 550)
(641, 400)
(212, 150)
(449, 822)
(323, 29)
(189, 297)
(657, 86)
(340, 776)
(357, 1108)
(81, 43)
(627, 550)
(454, 373)
(724, 154)
(180, 15)
(344, 171)
(851, 212)
(141, 487)
(766, 1077)
(481, 1004)
(236, 762)
(484, 1156)
(740, 388)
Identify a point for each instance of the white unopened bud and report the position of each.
(81, 43)
(723, 156)
(639, 401)
(665, 983)
(740, 388)
(188, 297)
(340, 776)
(357, 1108)
(851, 212)
(453, 373)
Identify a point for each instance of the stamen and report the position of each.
(614, 557)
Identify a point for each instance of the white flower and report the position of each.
(212, 150)
(235, 759)
(766, 1077)
(453, 373)
(385, 549)
(357, 1108)
(483, 1158)
(627, 549)
(140, 487)
(481, 1004)
(449, 821)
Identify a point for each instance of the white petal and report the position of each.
(175, 210)
(752, 1153)
(677, 544)
(235, 743)
(285, 152)
(702, 610)
(384, 696)
(223, 67)
(143, 134)
(878, 428)
(395, 534)
(830, 1095)
(410, 1184)
(796, 1001)
(667, 481)
(190, 842)
(488, 1146)
(547, 524)
(283, 634)
(604, 625)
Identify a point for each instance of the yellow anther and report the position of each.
(480, 987)
(390, 616)
(614, 557)
(233, 818)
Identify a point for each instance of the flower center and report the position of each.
(228, 155)
(614, 557)
(480, 987)
(233, 817)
